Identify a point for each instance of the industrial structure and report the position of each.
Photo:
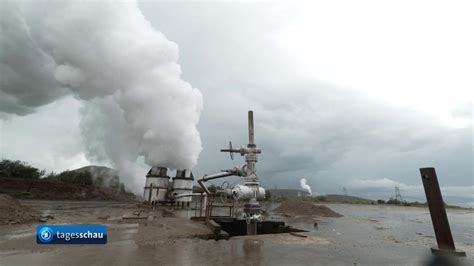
(250, 191)
(159, 189)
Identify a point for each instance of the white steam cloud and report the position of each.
(305, 186)
(136, 108)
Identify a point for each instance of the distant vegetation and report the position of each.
(393, 201)
(345, 199)
(19, 169)
(268, 195)
(90, 175)
(283, 194)
(101, 176)
(84, 178)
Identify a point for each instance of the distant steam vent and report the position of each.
(304, 185)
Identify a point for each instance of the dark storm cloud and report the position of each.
(332, 135)
(307, 128)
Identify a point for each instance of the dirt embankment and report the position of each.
(56, 190)
(305, 208)
(11, 211)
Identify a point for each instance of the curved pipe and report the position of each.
(177, 196)
(231, 172)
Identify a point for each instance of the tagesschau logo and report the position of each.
(71, 234)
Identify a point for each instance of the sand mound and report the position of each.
(294, 207)
(11, 211)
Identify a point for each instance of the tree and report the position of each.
(268, 195)
(83, 178)
(320, 198)
(394, 201)
(19, 169)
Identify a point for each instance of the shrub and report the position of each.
(83, 178)
(19, 169)
(393, 201)
(321, 198)
(268, 195)
(26, 194)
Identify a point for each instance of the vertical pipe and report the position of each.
(149, 193)
(201, 206)
(438, 214)
(251, 130)
(205, 201)
(252, 228)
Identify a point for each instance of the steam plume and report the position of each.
(305, 186)
(136, 107)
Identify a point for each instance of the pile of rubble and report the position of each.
(12, 212)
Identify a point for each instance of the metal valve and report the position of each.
(230, 150)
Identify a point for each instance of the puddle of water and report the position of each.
(123, 226)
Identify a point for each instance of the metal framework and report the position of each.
(252, 210)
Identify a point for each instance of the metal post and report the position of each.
(251, 130)
(149, 193)
(201, 206)
(438, 214)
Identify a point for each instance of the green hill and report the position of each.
(101, 176)
(348, 199)
(294, 193)
(98, 176)
(287, 193)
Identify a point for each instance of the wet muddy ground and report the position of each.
(366, 235)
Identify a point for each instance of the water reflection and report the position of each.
(253, 253)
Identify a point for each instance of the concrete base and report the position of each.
(238, 227)
(447, 252)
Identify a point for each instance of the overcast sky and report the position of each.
(345, 94)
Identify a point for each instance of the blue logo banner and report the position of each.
(71, 234)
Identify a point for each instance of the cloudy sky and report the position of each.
(345, 94)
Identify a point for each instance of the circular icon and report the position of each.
(45, 234)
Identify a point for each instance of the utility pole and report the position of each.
(398, 195)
